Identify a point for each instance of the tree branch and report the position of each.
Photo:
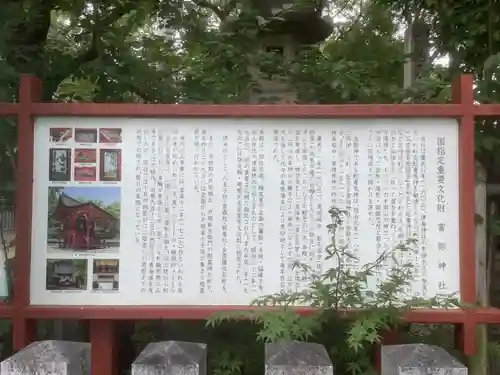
(230, 6)
(221, 13)
(27, 34)
(92, 52)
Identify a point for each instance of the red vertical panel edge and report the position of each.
(30, 90)
(103, 346)
(387, 337)
(463, 94)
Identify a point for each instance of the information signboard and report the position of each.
(214, 211)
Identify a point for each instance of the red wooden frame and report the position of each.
(102, 318)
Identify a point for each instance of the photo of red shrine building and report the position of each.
(82, 225)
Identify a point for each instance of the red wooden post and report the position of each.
(30, 90)
(463, 94)
(386, 338)
(104, 347)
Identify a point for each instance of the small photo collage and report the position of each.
(83, 233)
(85, 155)
(72, 275)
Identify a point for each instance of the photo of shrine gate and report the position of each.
(78, 221)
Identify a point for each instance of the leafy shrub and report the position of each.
(349, 317)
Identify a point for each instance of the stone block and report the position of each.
(172, 358)
(419, 359)
(51, 357)
(297, 358)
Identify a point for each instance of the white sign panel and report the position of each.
(184, 211)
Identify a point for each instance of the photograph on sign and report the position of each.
(83, 219)
(110, 165)
(85, 174)
(105, 275)
(61, 135)
(60, 164)
(66, 274)
(85, 155)
(85, 135)
(111, 135)
(218, 211)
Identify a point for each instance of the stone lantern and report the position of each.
(287, 27)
